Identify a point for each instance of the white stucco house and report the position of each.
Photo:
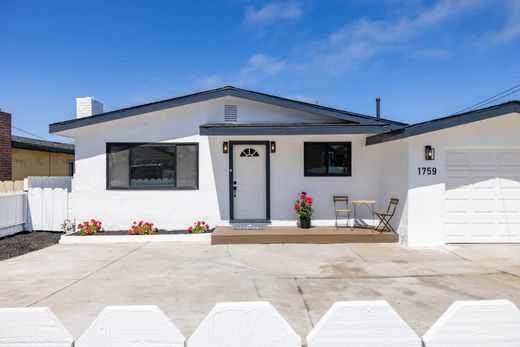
(233, 155)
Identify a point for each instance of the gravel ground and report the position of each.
(21, 243)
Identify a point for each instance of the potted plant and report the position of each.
(303, 208)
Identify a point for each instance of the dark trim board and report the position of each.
(290, 129)
(446, 122)
(218, 93)
(267, 179)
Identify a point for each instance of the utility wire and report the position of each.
(492, 98)
(12, 126)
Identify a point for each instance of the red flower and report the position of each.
(207, 226)
(80, 226)
(296, 206)
(190, 229)
(308, 200)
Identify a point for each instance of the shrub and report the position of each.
(89, 228)
(199, 227)
(303, 206)
(142, 228)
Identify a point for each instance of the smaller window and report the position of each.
(327, 158)
(249, 152)
(70, 168)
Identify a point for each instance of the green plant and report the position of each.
(303, 206)
(142, 228)
(89, 228)
(199, 227)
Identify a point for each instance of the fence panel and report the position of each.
(47, 201)
(362, 323)
(13, 213)
(32, 326)
(238, 324)
(129, 326)
(476, 323)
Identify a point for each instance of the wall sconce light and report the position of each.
(273, 147)
(225, 147)
(429, 153)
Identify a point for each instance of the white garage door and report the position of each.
(483, 195)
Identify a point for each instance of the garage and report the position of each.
(482, 198)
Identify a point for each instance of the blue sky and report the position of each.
(423, 58)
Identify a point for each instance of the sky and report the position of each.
(424, 59)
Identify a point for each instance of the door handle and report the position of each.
(235, 189)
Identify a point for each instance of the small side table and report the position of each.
(370, 205)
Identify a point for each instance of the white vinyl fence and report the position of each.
(479, 323)
(48, 200)
(43, 206)
(13, 212)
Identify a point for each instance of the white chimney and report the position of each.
(88, 106)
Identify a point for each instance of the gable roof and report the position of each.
(218, 93)
(445, 122)
(41, 145)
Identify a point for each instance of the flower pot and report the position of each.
(305, 223)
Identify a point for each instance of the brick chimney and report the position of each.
(88, 106)
(6, 156)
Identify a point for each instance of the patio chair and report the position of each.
(341, 209)
(386, 216)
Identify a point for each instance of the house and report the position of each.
(21, 157)
(234, 155)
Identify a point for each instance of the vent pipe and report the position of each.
(378, 108)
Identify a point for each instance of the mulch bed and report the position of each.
(25, 242)
(125, 232)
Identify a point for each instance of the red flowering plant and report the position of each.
(303, 206)
(89, 228)
(199, 227)
(142, 228)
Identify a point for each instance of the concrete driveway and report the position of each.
(301, 281)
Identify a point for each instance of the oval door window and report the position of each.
(249, 152)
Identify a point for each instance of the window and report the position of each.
(70, 168)
(152, 166)
(249, 152)
(327, 158)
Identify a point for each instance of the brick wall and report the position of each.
(6, 165)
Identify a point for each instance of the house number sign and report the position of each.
(427, 171)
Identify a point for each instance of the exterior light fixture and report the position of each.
(225, 147)
(273, 147)
(429, 153)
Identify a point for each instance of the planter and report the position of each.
(305, 223)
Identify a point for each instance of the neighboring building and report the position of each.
(231, 155)
(21, 157)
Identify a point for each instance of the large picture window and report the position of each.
(327, 158)
(152, 166)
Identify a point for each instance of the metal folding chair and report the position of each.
(386, 216)
(341, 209)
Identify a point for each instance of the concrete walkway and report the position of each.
(301, 281)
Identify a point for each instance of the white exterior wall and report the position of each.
(426, 194)
(177, 209)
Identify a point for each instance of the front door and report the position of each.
(249, 179)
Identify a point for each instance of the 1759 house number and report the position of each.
(427, 171)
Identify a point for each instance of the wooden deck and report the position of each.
(228, 235)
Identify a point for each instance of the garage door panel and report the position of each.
(509, 160)
(482, 196)
(457, 206)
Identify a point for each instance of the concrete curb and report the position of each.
(180, 238)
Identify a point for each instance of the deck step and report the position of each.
(228, 235)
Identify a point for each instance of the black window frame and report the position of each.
(348, 145)
(136, 144)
